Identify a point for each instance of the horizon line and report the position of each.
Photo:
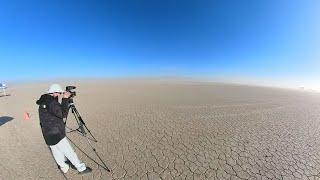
(231, 81)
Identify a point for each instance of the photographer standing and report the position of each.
(51, 114)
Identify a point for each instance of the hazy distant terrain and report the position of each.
(171, 130)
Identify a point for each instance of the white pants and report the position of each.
(64, 150)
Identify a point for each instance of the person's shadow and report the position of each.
(5, 119)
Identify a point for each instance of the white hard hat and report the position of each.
(55, 88)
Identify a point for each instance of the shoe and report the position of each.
(65, 169)
(87, 170)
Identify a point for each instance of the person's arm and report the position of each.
(55, 108)
(65, 104)
(60, 110)
(65, 107)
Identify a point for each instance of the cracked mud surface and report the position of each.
(175, 131)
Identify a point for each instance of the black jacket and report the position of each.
(51, 114)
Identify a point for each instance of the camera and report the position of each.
(71, 90)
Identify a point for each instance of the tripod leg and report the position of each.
(82, 129)
(95, 151)
(95, 140)
(81, 122)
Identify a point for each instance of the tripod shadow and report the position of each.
(5, 119)
(62, 173)
(100, 165)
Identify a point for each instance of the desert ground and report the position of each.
(154, 129)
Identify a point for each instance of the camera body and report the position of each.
(71, 90)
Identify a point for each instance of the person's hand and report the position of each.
(66, 94)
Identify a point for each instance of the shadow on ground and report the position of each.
(4, 95)
(5, 119)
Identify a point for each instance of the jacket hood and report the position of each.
(45, 99)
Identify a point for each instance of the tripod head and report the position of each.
(70, 101)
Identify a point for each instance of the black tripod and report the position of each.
(84, 131)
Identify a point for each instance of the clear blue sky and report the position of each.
(258, 39)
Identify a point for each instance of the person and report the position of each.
(51, 114)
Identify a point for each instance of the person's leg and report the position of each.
(60, 158)
(65, 147)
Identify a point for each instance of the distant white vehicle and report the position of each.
(3, 87)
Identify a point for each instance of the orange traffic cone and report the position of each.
(26, 116)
